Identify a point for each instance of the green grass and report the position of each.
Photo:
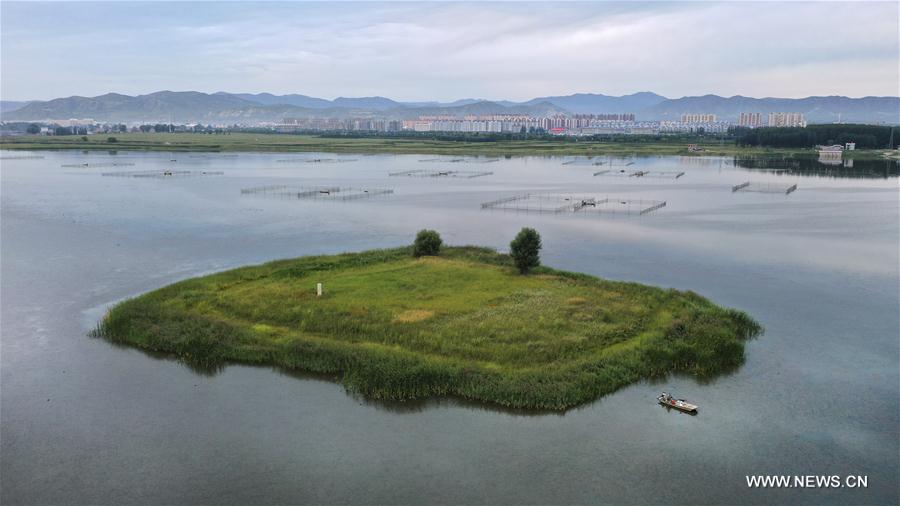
(462, 324)
(188, 142)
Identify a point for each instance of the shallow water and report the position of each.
(84, 421)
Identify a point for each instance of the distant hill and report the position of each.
(196, 107)
(11, 105)
(247, 108)
(292, 99)
(483, 107)
(162, 106)
(369, 103)
(595, 103)
(462, 101)
(374, 103)
(815, 109)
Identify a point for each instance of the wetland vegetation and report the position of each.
(395, 326)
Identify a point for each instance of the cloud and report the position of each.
(419, 51)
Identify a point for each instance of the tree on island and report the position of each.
(427, 243)
(525, 250)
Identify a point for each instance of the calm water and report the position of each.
(87, 422)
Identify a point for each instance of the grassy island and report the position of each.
(464, 323)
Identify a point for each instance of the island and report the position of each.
(465, 323)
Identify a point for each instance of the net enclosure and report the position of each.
(557, 203)
(162, 174)
(460, 160)
(466, 174)
(316, 160)
(657, 174)
(749, 186)
(97, 164)
(337, 193)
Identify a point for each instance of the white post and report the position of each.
(318, 289)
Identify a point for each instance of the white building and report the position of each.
(698, 118)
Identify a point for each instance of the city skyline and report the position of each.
(443, 52)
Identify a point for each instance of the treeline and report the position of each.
(865, 136)
(531, 134)
(667, 138)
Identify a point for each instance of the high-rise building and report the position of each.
(750, 119)
(698, 118)
(786, 119)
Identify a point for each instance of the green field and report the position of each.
(303, 143)
(463, 324)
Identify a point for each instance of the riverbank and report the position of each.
(463, 324)
(233, 142)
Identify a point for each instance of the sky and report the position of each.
(416, 51)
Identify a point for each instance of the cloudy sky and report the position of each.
(446, 51)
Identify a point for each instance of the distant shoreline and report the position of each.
(269, 143)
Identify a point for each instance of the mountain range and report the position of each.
(247, 108)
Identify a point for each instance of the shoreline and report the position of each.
(290, 143)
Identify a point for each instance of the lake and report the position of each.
(84, 421)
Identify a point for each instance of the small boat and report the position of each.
(679, 404)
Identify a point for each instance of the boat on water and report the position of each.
(679, 404)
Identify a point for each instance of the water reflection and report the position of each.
(847, 168)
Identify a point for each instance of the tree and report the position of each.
(112, 139)
(33, 129)
(427, 243)
(525, 250)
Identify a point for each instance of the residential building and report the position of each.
(698, 118)
(786, 119)
(750, 120)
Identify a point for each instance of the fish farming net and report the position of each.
(652, 174)
(162, 174)
(99, 164)
(316, 160)
(459, 160)
(316, 192)
(466, 174)
(445, 160)
(574, 203)
(584, 161)
(749, 186)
